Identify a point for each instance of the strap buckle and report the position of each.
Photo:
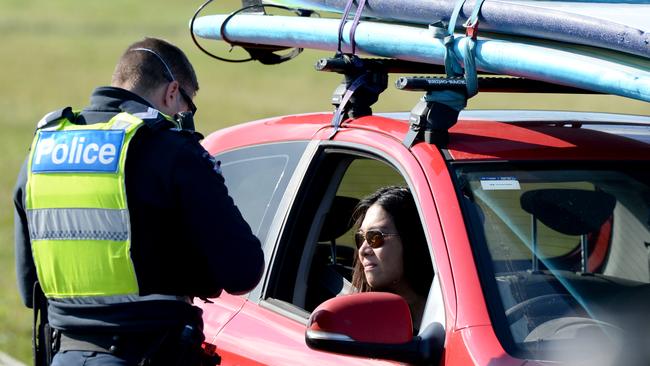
(471, 25)
(471, 28)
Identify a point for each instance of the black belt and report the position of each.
(165, 347)
(120, 344)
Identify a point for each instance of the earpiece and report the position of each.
(185, 120)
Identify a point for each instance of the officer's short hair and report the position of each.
(143, 70)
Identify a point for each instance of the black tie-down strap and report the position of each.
(363, 81)
(263, 53)
(353, 28)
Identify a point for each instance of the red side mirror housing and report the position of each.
(374, 317)
(375, 325)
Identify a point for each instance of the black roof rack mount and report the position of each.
(366, 78)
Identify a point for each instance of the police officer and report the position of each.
(123, 218)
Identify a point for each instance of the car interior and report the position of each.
(331, 265)
(582, 269)
(317, 262)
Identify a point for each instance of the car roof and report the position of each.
(541, 135)
(478, 135)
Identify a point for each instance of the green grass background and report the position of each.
(53, 53)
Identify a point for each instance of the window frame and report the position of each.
(435, 307)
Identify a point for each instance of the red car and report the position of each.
(538, 226)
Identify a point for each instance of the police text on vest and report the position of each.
(78, 151)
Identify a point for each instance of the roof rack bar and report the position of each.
(366, 78)
(386, 65)
(419, 83)
(487, 84)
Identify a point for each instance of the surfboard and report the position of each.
(616, 25)
(599, 70)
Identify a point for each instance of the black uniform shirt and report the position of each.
(187, 236)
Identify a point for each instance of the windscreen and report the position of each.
(564, 257)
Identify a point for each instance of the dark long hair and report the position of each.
(400, 205)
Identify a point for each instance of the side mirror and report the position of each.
(375, 325)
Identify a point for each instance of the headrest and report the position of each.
(339, 218)
(569, 211)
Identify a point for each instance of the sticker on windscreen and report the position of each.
(499, 183)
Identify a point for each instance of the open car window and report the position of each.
(314, 261)
(564, 250)
(328, 269)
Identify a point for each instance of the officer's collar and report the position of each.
(108, 99)
(151, 117)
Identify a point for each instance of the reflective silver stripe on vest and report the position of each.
(121, 125)
(120, 299)
(78, 224)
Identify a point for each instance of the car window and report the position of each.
(335, 251)
(257, 177)
(315, 260)
(562, 250)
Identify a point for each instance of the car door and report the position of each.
(269, 326)
(257, 178)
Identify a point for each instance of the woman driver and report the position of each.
(393, 254)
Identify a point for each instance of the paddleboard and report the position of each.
(559, 63)
(618, 26)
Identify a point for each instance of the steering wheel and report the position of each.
(540, 305)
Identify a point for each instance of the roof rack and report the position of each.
(490, 84)
(366, 78)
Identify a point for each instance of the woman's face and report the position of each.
(383, 266)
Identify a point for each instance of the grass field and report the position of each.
(55, 52)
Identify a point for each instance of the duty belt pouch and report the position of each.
(180, 348)
(43, 338)
(52, 339)
(192, 341)
(189, 343)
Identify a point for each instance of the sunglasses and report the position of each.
(374, 238)
(170, 77)
(188, 100)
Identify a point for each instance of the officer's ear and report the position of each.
(171, 95)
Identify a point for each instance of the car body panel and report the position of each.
(477, 346)
(289, 128)
(255, 331)
(469, 139)
(218, 312)
(259, 336)
(538, 141)
(461, 264)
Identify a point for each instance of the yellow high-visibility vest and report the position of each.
(77, 210)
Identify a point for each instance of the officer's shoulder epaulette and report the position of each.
(151, 117)
(55, 116)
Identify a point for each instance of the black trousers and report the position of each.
(172, 347)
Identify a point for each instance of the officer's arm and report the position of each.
(25, 269)
(231, 252)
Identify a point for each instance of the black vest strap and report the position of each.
(54, 116)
